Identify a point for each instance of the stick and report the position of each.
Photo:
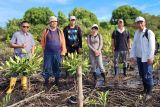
(26, 100)
(80, 88)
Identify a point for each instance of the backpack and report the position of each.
(156, 43)
(98, 37)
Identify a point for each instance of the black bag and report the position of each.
(156, 43)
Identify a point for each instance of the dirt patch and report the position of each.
(120, 94)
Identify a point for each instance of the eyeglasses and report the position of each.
(25, 26)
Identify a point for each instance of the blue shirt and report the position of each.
(52, 42)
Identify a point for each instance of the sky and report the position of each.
(10, 9)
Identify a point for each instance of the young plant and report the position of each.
(23, 65)
(103, 96)
(101, 99)
(72, 62)
(5, 100)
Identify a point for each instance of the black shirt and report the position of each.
(73, 37)
(121, 40)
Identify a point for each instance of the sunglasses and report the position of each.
(95, 28)
(73, 20)
(25, 26)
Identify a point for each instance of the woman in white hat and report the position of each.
(95, 44)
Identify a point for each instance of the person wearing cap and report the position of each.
(120, 46)
(142, 52)
(23, 43)
(95, 44)
(73, 36)
(54, 48)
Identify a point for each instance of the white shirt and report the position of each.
(121, 31)
(142, 47)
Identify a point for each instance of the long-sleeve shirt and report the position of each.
(62, 40)
(142, 47)
(73, 36)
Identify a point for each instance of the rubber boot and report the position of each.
(94, 76)
(115, 71)
(11, 85)
(24, 83)
(46, 82)
(124, 71)
(56, 82)
(103, 75)
(149, 93)
(149, 90)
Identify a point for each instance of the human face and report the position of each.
(25, 27)
(53, 24)
(120, 24)
(141, 25)
(72, 22)
(94, 31)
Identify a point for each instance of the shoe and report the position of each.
(11, 85)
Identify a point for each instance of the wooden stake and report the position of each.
(80, 88)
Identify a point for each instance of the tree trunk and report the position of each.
(80, 88)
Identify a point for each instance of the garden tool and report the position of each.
(24, 83)
(11, 85)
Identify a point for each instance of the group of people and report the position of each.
(56, 44)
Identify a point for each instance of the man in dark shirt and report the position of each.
(120, 46)
(73, 36)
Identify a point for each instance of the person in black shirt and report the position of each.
(73, 36)
(120, 46)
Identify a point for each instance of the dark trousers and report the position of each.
(122, 56)
(51, 67)
(145, 72)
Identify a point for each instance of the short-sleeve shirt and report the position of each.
(20, 38)
(121, 40)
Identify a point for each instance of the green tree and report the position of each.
(63, 21)
(2, 33)
(38, 15)
(125, 12)
(12, 26)
(86, 17)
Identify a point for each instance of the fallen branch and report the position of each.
(26, 100)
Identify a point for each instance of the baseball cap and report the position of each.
(139, 18)
(72, 18)
(52, 18)
(120, 20)
(94, 26)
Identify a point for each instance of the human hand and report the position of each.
(80, 50)
(97, 53)
(24, 45)
(133, 61)
(150, 61)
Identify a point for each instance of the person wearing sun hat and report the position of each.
(95, 44)
(54, 48)
(73, 36)
(142, 52)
